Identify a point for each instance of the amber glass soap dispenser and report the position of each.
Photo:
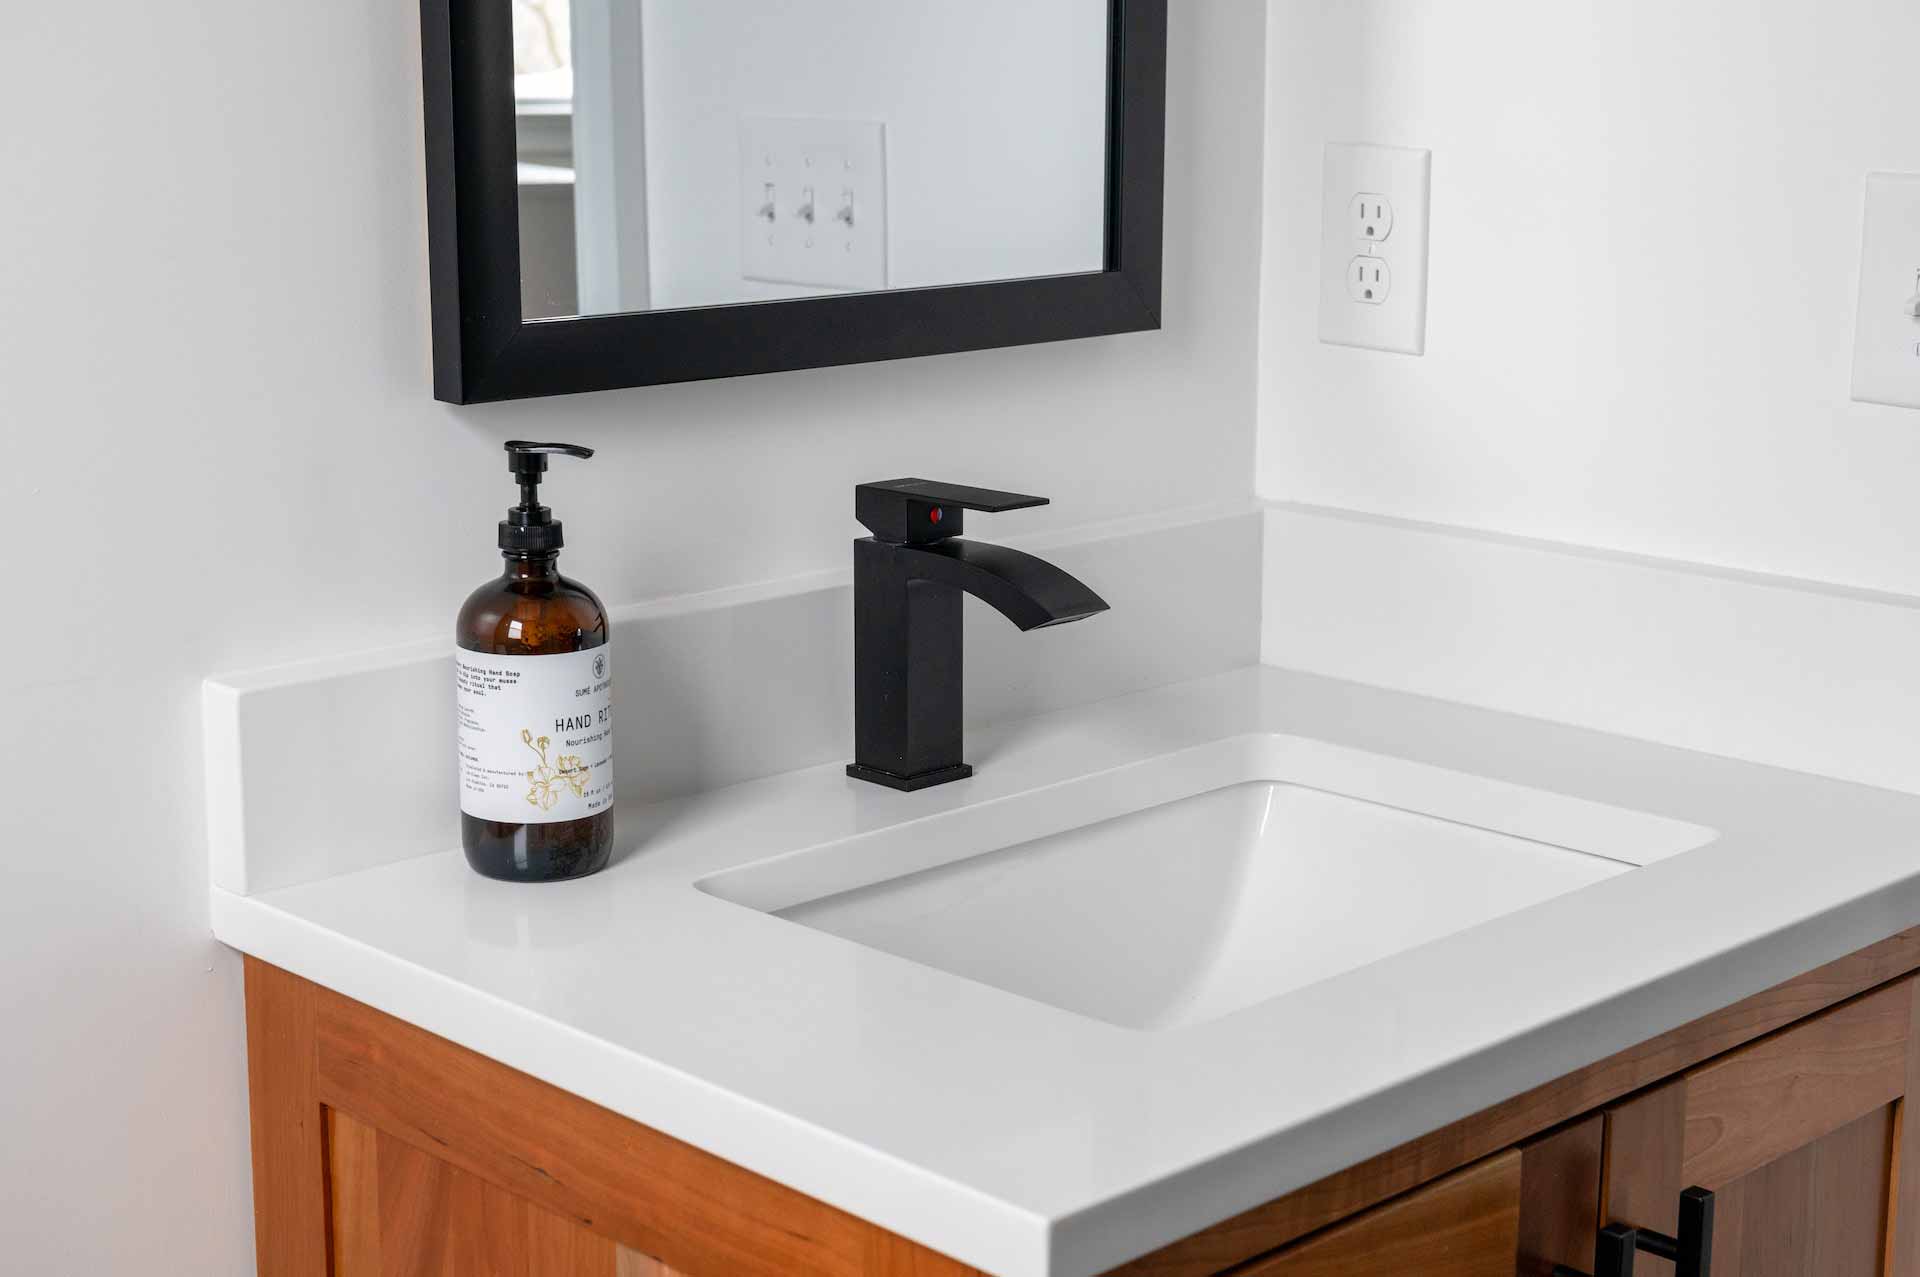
(534, 686)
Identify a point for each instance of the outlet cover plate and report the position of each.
(1402, 176)
(843, 162)
(1886, 340)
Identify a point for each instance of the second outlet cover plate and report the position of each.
(1886, 355)
(1374, 207)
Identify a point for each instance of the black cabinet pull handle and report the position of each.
(1691, 1252)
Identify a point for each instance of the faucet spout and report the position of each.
(1029, 591)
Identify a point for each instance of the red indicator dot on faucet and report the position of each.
(936, 514)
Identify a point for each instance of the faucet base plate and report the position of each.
(907, 784)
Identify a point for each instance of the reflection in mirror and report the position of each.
(680, 153)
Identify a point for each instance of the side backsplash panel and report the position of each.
(1798, 674)
(342, 764)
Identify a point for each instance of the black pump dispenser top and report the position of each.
(530, 527)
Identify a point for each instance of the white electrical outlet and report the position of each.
(1886, 334)
(813, 202)
(1369, 280)
(1371, 216)
(1373, 247)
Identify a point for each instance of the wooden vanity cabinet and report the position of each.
(381, 1149)
(1799, 1135)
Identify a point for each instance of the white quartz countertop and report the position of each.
(1033, 1142)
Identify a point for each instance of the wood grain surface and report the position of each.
(1560, 1197)
(1755, 1105)
(1466, 1225)
(288, 1125)
(1819, 1209)
(1903, 1230)
(401, 1212)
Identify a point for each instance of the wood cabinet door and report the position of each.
(396, 1211)
(1466, 1225)
(1800, 1136)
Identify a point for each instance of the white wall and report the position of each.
(213, 379)
(996, 117)
(1646, 229)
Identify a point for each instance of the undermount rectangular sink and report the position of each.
(1185, 888)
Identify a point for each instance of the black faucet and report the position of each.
(907, 581)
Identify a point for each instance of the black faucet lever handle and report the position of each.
(918, 511)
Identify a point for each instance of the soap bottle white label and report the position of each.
(535, 735)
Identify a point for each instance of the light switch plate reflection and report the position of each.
(813, 202)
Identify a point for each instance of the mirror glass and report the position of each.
(682, 153)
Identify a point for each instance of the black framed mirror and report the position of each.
(636, 192)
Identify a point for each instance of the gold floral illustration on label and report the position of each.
(545, 782)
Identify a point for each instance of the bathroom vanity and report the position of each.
(397, 1152)
(1261, 972)
(1192, 964)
